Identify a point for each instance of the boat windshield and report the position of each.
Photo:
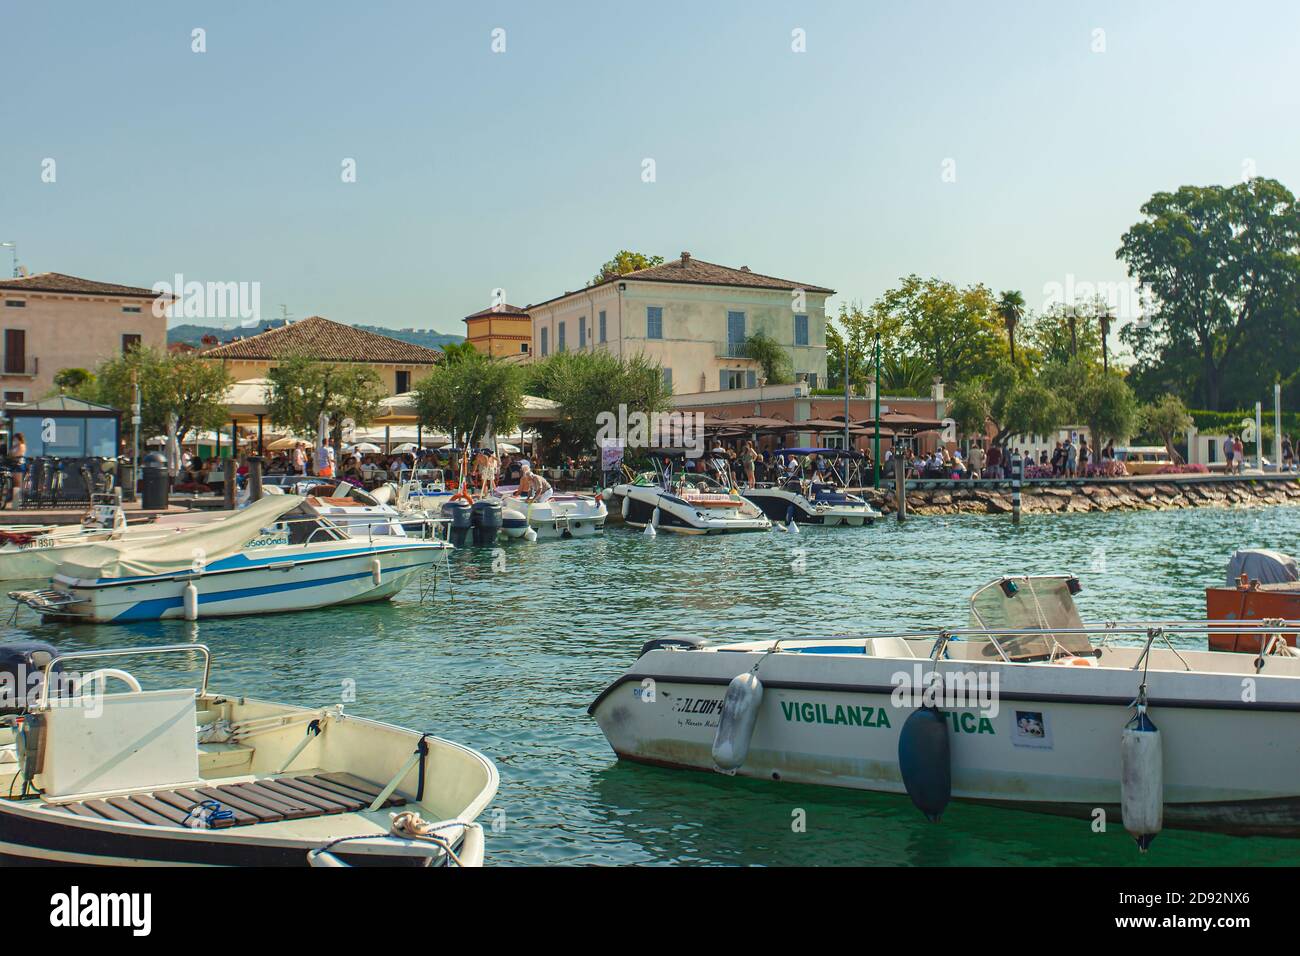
(1029, 602)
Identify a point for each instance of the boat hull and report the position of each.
(678, 517)
(561, 516)
(273, 584)
(830, 721)
(777, 504)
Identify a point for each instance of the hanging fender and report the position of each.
(736, 725)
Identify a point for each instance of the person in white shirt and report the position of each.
(532, 487)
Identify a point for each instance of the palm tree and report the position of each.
(1072, 318)
(1011, 307)
(1105, 318)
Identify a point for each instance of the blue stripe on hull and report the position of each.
(153, 610)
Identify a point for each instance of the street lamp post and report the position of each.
(875, 441)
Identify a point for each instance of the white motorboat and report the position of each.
(34, 552)
(278, 554)
(811, 499)
(175, 776)
(558, 516)
(1024, 707)
(687, 503)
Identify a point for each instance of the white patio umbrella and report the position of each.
(405, 447)
(363, 448)
(508, 448)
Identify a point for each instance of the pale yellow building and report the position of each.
(53, 321)
(692, 317)
(502, 331)
(399, 364)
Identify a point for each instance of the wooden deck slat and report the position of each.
(185, 804)
(341, 783)
(110, 812)
(142, 813)
(262, 814)
(250, 802)
(292, 809)
(322, 804)
(302, 785)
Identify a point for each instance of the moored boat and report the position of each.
(686, 502)
(1027, 707)
(278, 554)
(185, 776)
(559, 515)
(810, 499)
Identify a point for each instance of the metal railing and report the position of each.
(203, 649)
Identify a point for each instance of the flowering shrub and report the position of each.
(1182, 470)
(1038, 471)
(1106, 469)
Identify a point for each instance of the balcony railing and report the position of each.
(731, 350)
(19, 365)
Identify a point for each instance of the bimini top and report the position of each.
(185, 550)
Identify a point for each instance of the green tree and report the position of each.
(460, 397)
(1011, 400)
(585, 384)
(905, 375)
(303, 388)
(853, 332)
(455, 351)
(1223, 265)
(191, 387)
(1010, 309)
(1167, 418)
(1064, 333)
(1101, 400)
(772, 357)
(624, 262)
(73, 379)
(955, 331)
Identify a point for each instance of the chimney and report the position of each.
(744, 268)
(686, 258)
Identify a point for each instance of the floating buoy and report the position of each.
(777, 526)
(736, 725)
(650, 531)
(530, 535)
(925, 761)
(376, 572)
(191, 602)
(1141, 779)
(793, 527)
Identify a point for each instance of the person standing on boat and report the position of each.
(747, 458)
(532, 487)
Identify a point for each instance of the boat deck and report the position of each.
(267, 800)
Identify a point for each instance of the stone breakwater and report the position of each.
(1119, 495)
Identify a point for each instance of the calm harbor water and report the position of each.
(507, 661)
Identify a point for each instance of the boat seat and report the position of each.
(267, 800)
(224, 760)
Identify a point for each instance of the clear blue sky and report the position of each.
(523, 169)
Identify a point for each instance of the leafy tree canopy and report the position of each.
(588, 383)
(955, 332)
(772, 357)
(190, 387)
(302, 388)
(1223, 265)
(624, 262)
(460, 396)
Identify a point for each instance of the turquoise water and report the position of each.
(508, 659)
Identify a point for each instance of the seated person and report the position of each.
(194, 479)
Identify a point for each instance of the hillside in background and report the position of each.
(192, 334)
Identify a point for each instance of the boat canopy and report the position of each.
(184, 550)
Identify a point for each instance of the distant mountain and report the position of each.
(193, 334)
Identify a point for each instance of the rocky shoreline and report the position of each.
(1129, 495)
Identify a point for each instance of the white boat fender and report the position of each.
(925, 761)
(191, 602)
(376, 571)
(472, 846)
(736, 725)
(777, 526)
(793, 527)
(1141, 781)
(530, 535)
(627, 500)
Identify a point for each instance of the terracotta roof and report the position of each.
(503, 309)
(330, 341)
(691, 271)
(58, 282)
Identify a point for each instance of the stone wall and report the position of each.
(1154, 495)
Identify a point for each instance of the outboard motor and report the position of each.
(22, 669)
(486, 521)
(461, 516)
